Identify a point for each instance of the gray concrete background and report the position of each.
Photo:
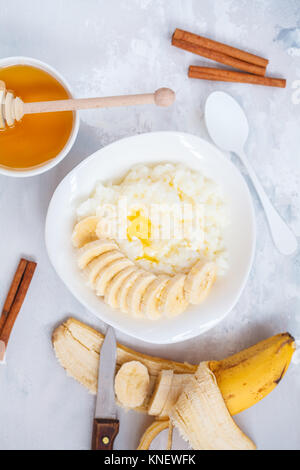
(106, 48)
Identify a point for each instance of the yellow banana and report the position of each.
(243, 379)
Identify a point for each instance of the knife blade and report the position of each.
(106, 424)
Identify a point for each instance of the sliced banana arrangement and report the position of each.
(125, 286)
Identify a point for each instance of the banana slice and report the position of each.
(132, 384)
(136, 292)
(161, 392)
(173, 300)
(94, 249)
(98, 264)
(124, 289)
(199, 281)
(111, 293)
(108, 272)
(85, 231)
(150, 300)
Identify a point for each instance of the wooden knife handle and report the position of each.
(104, 433)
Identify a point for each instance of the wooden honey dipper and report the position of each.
(13, 108)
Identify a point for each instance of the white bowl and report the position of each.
(9, 61)
(114, 161)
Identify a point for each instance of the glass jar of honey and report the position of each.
(38, 141)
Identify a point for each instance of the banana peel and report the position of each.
(202, 418)
(248, 376)
(243, 379)
(77, 348)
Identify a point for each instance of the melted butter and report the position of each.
(140, 228)
(152, 259)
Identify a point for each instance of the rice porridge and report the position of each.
(164, 218)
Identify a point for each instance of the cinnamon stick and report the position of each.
(220, 47)
(215, 74)
(13, 291)
(17, 303)
(219, 57)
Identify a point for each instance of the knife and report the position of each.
(106, 424)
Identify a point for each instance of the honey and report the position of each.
(37, 138)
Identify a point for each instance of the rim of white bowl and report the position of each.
(23, 60)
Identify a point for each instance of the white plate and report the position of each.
(114, 161)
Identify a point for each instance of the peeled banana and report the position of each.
(244, 378)
(233, 384)
(201, 416)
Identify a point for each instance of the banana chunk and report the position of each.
(85, 231)
(179, 382)
(199, 281)
(93, 249)
(135, 293)
(161, 392)
(98, 264)
(202, 418)
(125, 288)
(111, 292)
(150, 300)
(108, 272)
(132, 384)
(173, 300)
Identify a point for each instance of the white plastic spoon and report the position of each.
(228, 127)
